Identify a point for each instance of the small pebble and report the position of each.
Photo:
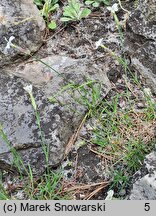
(141, 105)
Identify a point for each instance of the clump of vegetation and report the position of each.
(123, 134)
(46, 8)
(74, 12)
(48, 187)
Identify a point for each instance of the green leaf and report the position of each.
(72, 3)
(53, 100)
(68, 12)
(96, 4)
(66, 19)
(77, 7)
(88, 2)
(45, 10)
(107, 2)
(33, 102)
(52, 25)
(38, 2)
(85, 12)
(53, 8)
(71, 11)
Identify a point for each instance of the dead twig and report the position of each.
(55, 34)
(86, 187)
(100, 154)
(73, 138)
(95, 192)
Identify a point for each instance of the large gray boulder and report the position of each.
(59, 119)
(144, 187)
(140, 40)
(22, 20)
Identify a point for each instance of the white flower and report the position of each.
(9, 42)
(114, 8)
(28, 89)
(109, 195)
(98, 43)
(148, 91)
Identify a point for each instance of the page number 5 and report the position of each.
(147, 207)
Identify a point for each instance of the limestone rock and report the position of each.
(145, 187)
(150, 11)
(59, 119)
(140, 42)
(22, 20)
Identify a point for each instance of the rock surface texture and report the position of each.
(67, 59)
(58, 119)
(141, 40)
(48, 71)
(22, 20)
(145, 186)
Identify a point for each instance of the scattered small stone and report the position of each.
(141, 105)
(122, 193)
(144, 188)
